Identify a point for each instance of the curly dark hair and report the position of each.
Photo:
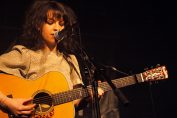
(37, 15)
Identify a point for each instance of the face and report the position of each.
(50, 26)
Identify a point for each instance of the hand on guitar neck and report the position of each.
(79, 102)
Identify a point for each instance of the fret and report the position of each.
(119, 83)
(68, 96)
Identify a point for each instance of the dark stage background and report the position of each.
(129, 34)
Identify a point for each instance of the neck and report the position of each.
(49, 49)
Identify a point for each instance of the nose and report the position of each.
(58, 27)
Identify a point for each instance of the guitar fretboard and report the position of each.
(68, 96)
(74, 94)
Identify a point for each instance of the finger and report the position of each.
(27, 112)
(99, 81)
(100, 91)
(28, 107)
(27, 101)
(23, 116)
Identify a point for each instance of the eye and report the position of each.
(50, 21)
(61, 23)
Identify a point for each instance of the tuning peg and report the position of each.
(152, 67)
(158, 65)
(146, 68)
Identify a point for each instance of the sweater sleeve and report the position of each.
(15, 62)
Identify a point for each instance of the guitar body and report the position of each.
(52, 82)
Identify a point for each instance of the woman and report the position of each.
(40, 51)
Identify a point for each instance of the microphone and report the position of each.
(60, 35)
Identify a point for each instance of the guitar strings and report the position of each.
(70, 95)
(64, 96)
(73, 94)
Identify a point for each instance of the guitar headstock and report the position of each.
(154, 74)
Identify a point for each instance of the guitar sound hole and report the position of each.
(43, 102)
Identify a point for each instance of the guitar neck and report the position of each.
(74, 94)
(121, 82)
(64, 97)
(158, 73)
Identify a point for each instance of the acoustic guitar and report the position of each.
(52, 96)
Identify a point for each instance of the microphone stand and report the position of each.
(94, 83)
(92, 79)
(95, 99)
(91, 71)
(94, 72)
(115, 89)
